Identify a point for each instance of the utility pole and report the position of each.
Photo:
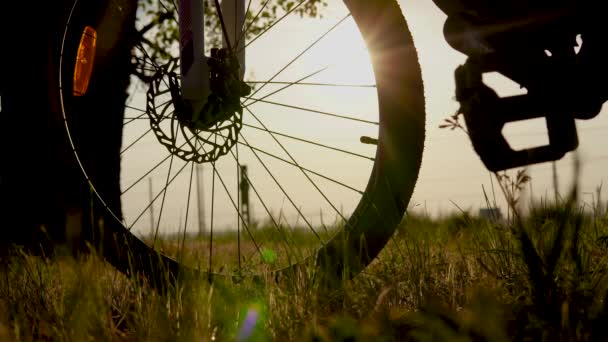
(200, 199)
(244, 189)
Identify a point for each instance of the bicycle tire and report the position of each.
(398, 156)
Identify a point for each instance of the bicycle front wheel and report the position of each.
(320, 159)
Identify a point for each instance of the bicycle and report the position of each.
(215, 111)
(213, 120)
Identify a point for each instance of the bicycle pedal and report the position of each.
(486, 114)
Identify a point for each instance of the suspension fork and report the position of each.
(194, 68)
(233, 12)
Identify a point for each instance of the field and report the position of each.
(534, 276)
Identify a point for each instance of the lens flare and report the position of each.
(252, 324)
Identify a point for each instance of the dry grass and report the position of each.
(539, 278)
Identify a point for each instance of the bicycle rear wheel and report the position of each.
(272, 174)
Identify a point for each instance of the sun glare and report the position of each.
(346, 56)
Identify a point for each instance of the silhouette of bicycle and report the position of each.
(212, 89)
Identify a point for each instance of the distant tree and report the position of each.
(158, 30)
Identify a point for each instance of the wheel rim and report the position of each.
(267, 147)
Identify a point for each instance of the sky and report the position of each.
(451, 177)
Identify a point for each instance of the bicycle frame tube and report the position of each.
(194, 68)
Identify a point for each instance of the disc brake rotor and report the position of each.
(201, 136)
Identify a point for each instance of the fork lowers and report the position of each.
(226, 91)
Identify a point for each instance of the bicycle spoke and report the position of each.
(310, 142)
(146, 174)
(147, 58)
(146, 61)
(162, 203)
(163, 92)
(183, 249)
(151, 69)
(238, 203)
(143, 60)
(247, 11)
(152, 169)
(141, 116)
(283, 88)
(245, 30)
(300, 166)
(153, 63)
(293, 159)
(158, 195)
(283, 191)
(274, 222)
(274, 156)
(221, 17)
(276, 22)
(303, 52)
(235, 207)
(162, 191)
(135, 141)
(314, 111)
(137, 109)
(341, 85)
(212, 215)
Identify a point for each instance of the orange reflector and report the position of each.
(84, 61)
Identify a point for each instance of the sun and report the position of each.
(346, 56)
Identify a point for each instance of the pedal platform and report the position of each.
(486, 113)
(535, 46)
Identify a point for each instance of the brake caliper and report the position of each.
(226, 90)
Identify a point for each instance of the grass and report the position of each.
(274, 248)
(535, 277)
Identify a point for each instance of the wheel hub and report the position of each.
(205, 135)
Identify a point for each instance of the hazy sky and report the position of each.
(451, 175)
